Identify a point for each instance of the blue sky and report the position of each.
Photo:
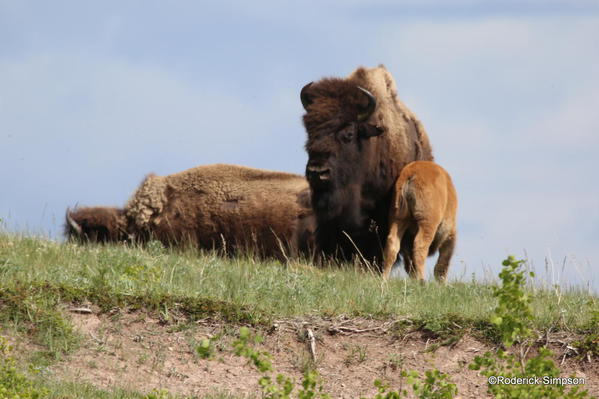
(95, 95)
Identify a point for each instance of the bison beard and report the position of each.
(360, 136)
(339, 202)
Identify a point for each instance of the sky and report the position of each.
(96, 95)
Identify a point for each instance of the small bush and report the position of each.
(205, 349)
(13, 384)
(513, 317)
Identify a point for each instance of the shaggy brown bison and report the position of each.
(360, 136)
(217, 206)
(424, 203)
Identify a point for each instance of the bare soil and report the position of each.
(141, 352)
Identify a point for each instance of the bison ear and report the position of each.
(305, 97)
(367, 131)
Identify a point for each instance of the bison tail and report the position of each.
(405, 200)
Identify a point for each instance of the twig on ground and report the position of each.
(312, 343)
(341, 329)
(81, 310)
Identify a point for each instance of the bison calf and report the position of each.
(425, 205)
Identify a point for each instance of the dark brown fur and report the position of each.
(354, 163)
(226, 207)
(97, 224)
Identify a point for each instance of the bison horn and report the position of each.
(369, 109)
(306, 100)
(73, 223)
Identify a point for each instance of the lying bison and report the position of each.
(425, 205)
(228, 207)
(360, 136)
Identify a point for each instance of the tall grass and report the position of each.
(244, 289)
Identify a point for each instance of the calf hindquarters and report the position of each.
(425, 203)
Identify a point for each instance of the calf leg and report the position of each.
(393, 245)
(407, 248)
(445, 253)
(422, 242)
(406, 255)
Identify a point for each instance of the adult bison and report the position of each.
(360, 136)
(228, 207)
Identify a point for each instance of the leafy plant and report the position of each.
(435, 385)
(513, 314)
(205, 349)
(513, 317)
(13, 384)
(282, 386)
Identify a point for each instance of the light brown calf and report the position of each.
(424, 205)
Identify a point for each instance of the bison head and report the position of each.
(96, 224)
(338, 146)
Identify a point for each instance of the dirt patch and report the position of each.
(137, 351)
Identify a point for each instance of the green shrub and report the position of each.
(205, 349)
(282, 386)
(513, 317)
(13, 384)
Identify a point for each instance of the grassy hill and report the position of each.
(42, 283)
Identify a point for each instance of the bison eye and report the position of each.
(347, 135)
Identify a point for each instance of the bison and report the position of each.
(360, 136)
(425, 204)
(228, 207)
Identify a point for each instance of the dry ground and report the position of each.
(138, 351)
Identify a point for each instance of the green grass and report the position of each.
(36, 275)
(40, 278)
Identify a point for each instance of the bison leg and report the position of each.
(445, 253)
(407, 248)
(422, 242)
(393, 245)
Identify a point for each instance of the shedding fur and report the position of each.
(424, 205)
(227, 207)
(148, 202)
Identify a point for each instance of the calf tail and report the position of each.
(405, 200)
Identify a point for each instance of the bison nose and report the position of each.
(318, 173)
